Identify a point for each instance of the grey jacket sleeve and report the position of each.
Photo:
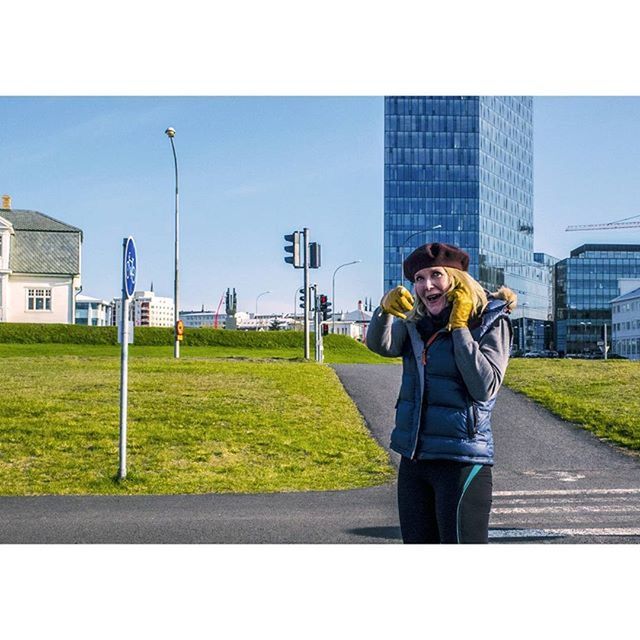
(482, 365)
(386, 334)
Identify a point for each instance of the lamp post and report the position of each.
(584, 335)
(547, 335)
(523, 333)
(333, 293)
(176, 349)
(257, 298)
(402, 246)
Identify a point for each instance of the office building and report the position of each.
(586, 283)
(147, 310)
(460, 170)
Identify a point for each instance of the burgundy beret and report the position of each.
(435, 254)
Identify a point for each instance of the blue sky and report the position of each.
(254, 168)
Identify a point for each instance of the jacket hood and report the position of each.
(506, 294)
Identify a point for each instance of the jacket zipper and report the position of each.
(472, 429)
(424, 364)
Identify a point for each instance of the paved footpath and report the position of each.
(553, 483)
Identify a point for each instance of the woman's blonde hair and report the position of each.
(456, 277)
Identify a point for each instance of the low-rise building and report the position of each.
(625, 324)
(204, 318)
(39, 266)
(251, 322)
(93, 312)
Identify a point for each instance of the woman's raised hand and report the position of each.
(397, 302)
(462, 301)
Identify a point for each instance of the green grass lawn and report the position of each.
(603, 396)
(339, 352)
(196, 425)
(236, 419)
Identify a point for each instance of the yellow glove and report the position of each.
(462, 302)
(397, 302)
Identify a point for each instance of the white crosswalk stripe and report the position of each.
(570, 512)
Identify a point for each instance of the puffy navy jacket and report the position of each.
(439, 415)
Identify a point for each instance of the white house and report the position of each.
(39, 267)
(352, 323)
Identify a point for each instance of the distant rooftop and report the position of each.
(632, 295)
(604, 247)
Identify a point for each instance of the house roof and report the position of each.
(82, 298)
(26, 220)
(355, 316)
(42, 244)
(632, 295)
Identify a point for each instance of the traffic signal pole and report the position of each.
(305, 241)
(316, 322)
(310, 259)
(318, 330)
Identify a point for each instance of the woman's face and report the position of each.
(431, 285)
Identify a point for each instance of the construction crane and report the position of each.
(618, 224)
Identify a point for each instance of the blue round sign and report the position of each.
(129, 267)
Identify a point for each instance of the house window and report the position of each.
(39, 299)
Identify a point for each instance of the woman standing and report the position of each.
(454, 340)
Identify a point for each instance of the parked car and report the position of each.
(533, 354)
(549, 353)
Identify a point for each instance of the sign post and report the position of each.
(129, 268)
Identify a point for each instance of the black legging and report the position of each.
(442, 501)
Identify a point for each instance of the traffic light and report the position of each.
(325, 329)
(325, 306)
(301, 292)
(293, 248)
(314, 255)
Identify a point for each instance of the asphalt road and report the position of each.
(553, 482)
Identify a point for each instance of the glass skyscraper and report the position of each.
(460, 170)
(586, 283)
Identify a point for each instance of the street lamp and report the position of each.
(176, 349)
(584, 335)
(547, 335)
(257, 298)
(402, 246)
(523, 333)
(333, 293)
